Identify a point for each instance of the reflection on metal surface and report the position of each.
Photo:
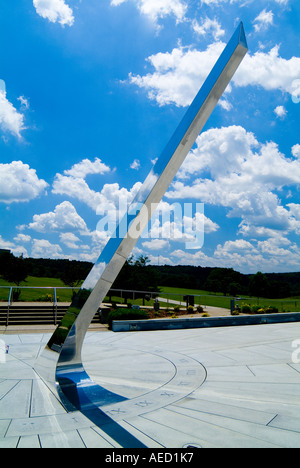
(60, 363)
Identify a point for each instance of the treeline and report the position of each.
(17, 269)
(230, 282)
(140, 276)
(71, 272)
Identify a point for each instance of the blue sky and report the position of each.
(90, 93)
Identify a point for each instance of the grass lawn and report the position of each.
(209, 299)
(290, 304)
(34, 295)
(214, 299)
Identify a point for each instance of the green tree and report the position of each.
(137, 275)
(5, 259)
(14, 270)
(73, 275)
(224, 280)
(234, 289)
(259, 285)
(142, 261)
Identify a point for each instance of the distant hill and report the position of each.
(228, 281)
(224, 280)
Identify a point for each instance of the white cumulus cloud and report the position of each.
(178, 74)
(73, 184)
(42, 248)
(273, 253)
(296, 151)
(87, 167)
(209, 26)
(70, 240)
(19, 183)
(280, 111)
(11, 120)
(156, 9)
(245, 177)
(55, 11)
(263, 20)
(63, 218)
(135, 164)
(156, 244)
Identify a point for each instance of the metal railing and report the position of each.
(171, 299)
(8, 305)
(10, 301)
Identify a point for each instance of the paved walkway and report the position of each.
(216, 387)
(212, 311)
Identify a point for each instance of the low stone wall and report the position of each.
(203, 322)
